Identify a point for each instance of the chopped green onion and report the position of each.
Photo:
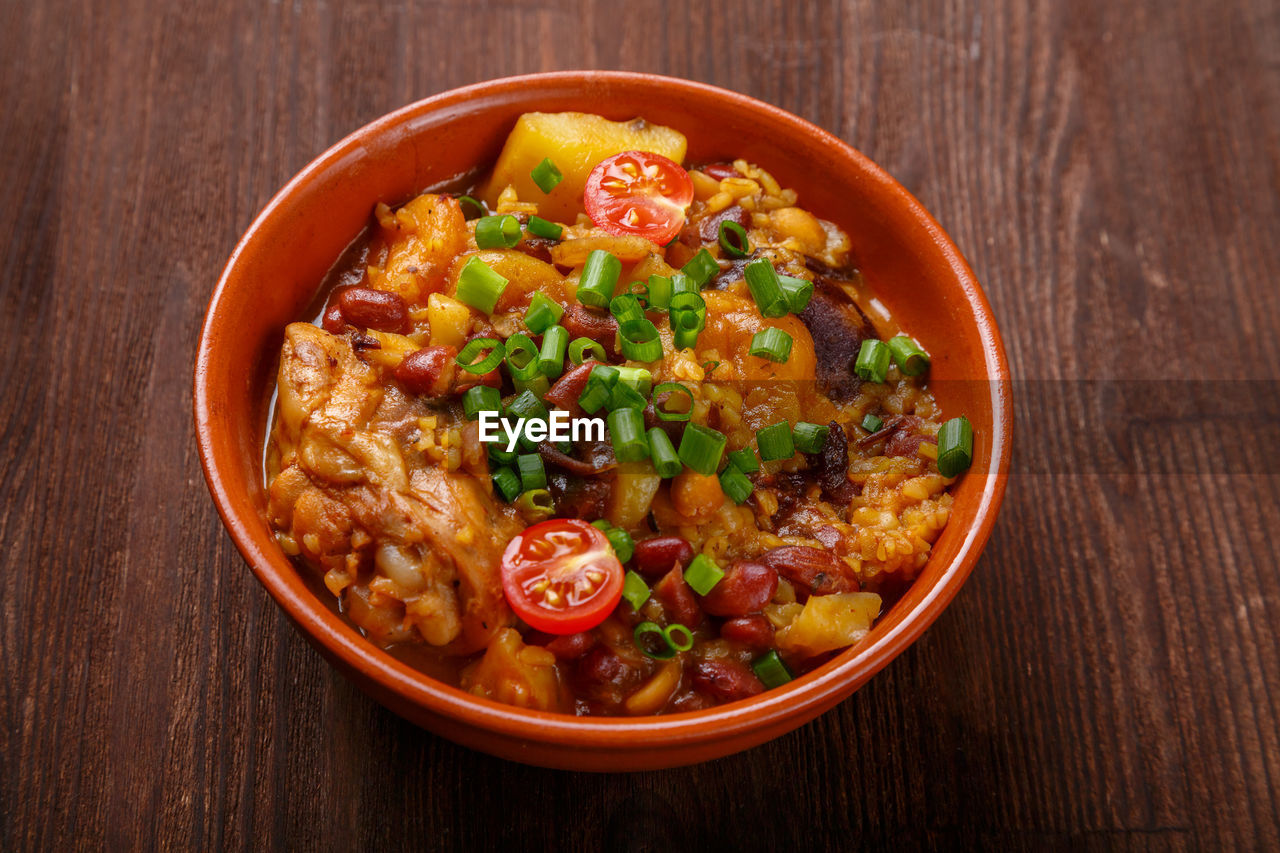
(770, 669)
(551, 357)
(735, 484)
(540, 227)
(546, 175)
(663, 453)
(626, 307)
(775, 442)
(681, 283)
(601, 524)
(623, 545)
(471, 208)
(685, 641)
(522, 356)
(688, 317)
(773, 344)
(543, 313)
(599, 278)
(537, 383)
(703, 574)
(665, 413)
(798, 291)
(479, 286)
(536, 505)
(955, 447)
(527, 405)
(664, 650)
(733, 239)
(745, 460)
(469, 359)
(635, 590)
(701, 268)
(507, 483)
(912, 360)
(871, 423)
(533, 474)
(637, 377)
(623, 396)
(810, 438)
(640, 341)
(766, 290)
(701, 448)
(626, 429)
(498, 450)
(600, 383)
(480, 398)
(873, 361)
(607, 374)
(497, 232)
(583, 349)
(659, 292)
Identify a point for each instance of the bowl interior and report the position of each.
(909, 263)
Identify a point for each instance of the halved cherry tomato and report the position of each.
(638, 193)
(561, 576)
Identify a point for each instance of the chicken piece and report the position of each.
(516, 674)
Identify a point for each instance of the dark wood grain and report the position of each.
(1109, 678)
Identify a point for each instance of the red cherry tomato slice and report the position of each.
(638, 193)
(561, 576)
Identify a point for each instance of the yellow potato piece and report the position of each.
(575, 142)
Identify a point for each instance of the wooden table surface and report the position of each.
(1109, 677)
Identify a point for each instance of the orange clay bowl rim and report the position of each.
(801, 698)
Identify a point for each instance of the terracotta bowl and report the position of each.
(272, 276)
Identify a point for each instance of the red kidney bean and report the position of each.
(581, 322)
(745, 588)
(568, 388)
(677, 599)
(709, 228)
(571, 646)
(726, 680)
(602, 666)
(719, 171)
(754, 632)
(375, 309)
(428, 371)
(655, 557)
(813, 571)
(333, 322)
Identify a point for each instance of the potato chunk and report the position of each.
(829, 622)
(575, 142)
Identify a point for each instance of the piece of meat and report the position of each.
(838, 328)
(580, 497)
(830, 466)
(595, 457)
(812, 570)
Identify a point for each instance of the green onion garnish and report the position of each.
(623, 545)
(745, 460)
(798, 291)
(536, 504)
(645, 634)
(659, 292)
(733, 240)
(599, 278)
(735, 484)
(623, 396)
(637, 377)
(701, 448)
(775, 442)
(479, 286)
(873, 361)
(546, 175)
(912, 360)
(471, 208)
(635, 590)
(600, 383)
(663, 453)
(626, 307)
(551, 357)
(626, 429)
(527, 405)
(583, 349)
(955, 447)
(522, 356)
(766, 290)
(666, 414)
(640, 341)
(810, 438)
(507, 483)
(770, 669)
(678, 636)
(469, 359)
(773, 344)
(701, 268)
(480, 398)
(688, 312)
(537, 383)
(543, 313)
(540, 227)
(533, 474)
(703, 574)
(871, 423)
(497, 232)
(498, 450)
(681, 283)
